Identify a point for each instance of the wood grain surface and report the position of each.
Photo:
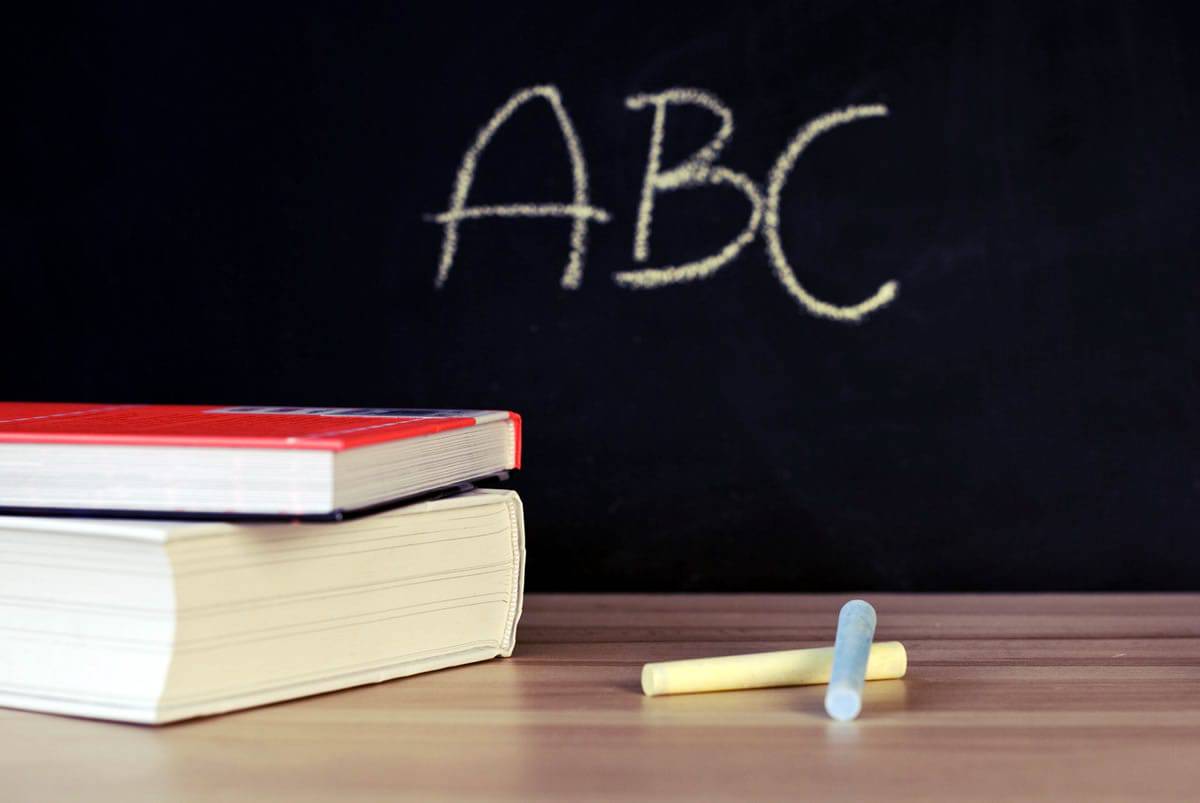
(1008, 697)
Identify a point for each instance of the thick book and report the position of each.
(223, 462)
(152, 622)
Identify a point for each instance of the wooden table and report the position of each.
(1008, 697)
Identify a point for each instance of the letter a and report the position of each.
(578, 210)
(696, 171)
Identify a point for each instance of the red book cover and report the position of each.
(328, 428)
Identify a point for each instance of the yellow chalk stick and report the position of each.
(760, 670)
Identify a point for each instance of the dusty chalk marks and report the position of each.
(523, 210)
(579, 210)
(778, 178)
(695, 171)
(691, 171)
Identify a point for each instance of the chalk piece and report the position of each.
(808, 667)
(851, 649)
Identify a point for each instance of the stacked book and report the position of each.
(165, 562)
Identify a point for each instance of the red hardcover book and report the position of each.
(313, 462)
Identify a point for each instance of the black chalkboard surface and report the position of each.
(250, 205)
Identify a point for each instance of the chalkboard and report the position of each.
(932, 322)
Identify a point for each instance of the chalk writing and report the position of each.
(778, 177)
(579, 210)
(697, 170)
